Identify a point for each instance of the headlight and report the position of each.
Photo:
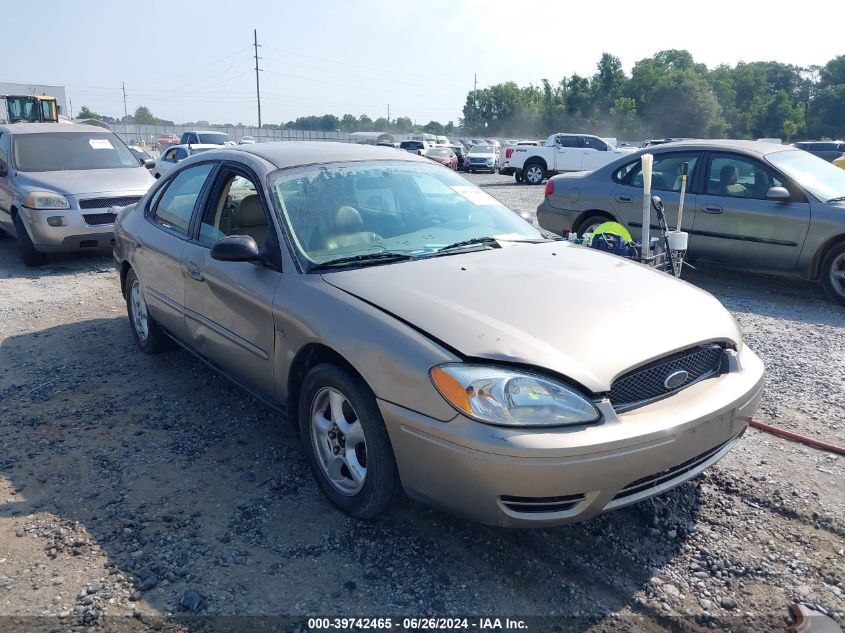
(497, 395)
(46, 200)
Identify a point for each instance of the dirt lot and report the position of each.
(146, 486)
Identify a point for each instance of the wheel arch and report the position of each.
(538, 160)
(590, 212)
(125, 267)
(309, 356)
(821, 253)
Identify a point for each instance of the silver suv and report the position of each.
(60, 186)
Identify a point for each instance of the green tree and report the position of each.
(608, 84)
(348, 123)
(403, 124)
(143, 116)
(85, 113)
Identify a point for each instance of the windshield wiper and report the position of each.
(491, 242)
(837, 199)
(380, 257)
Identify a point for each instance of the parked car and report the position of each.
(828, 150)
(482, 158)
(444, 156)
(200, 137)
(460, 153)
(246, 140)
(141, 154)
(416, 147)
(168, 159)
(840, 162)
(561, 152)
(60, 185)
(166, 140)
(289, 268)
(443, 141)
(748, 205)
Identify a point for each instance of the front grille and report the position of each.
(533, 505)
(93, 219)
(646, 384)
(676, 472)
(104, 203)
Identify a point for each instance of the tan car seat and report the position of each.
(249, 219)
(347, 230)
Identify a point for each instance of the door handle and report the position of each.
(624, 198)
(194, 271)
(711, 208)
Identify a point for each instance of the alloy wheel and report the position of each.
(138, 307)
(533, 175)
(837, 274)
(338, 440)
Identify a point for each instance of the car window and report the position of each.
(174, 207)
(236, 211)
(349, 209)
(739, 177)
(181, 154)
(594, 143)
(665, 171)
(567, 141)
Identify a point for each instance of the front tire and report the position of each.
(149, 337)
(29, 255)
(533, 174)
(833, 274)
(588, 224)
(517, 176)
(346, 441)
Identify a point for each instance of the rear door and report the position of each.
(666, 181)
(159, 243)
(568, 153)
(736, 224)
(228, 305)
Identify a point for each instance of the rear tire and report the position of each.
(533, 174)
(338, 412)
(149, 337)
(833, 273)
(588, 224)
(29, 255)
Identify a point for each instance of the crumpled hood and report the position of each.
(580, 313)
(88, 181)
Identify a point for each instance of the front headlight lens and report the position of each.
(46, 200)
(497, 395)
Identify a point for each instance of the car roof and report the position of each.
(204, 132)
(43, 128)
(284, 154)
(753, 147)
(196, 145)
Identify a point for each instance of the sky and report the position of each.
(189, 61)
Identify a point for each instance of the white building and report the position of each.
(39, 89)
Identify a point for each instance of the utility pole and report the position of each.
(388, 115)
(125, 113)
(257, 87)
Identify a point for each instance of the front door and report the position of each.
(568, 153)
(6, 191)
(229, 315)
(735, 223)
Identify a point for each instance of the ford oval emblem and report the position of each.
(675, 379)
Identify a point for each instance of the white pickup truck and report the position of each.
(561, 152)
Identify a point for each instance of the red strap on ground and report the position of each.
(809, 441)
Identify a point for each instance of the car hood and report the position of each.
(72, 182)
(582, 314)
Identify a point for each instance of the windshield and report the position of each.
(213, 138)
(821, 178)
(441, 153)
(346, 210)
(412, 145)
(63, 151)
(482, 149)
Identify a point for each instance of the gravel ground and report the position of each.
(134, 487)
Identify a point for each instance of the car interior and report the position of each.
(238, 212)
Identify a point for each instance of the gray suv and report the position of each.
(60, 186)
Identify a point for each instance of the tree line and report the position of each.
(669, 95)
(665, 95)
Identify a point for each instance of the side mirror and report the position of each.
(777, 193)
(149, 163)
(235, 248)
